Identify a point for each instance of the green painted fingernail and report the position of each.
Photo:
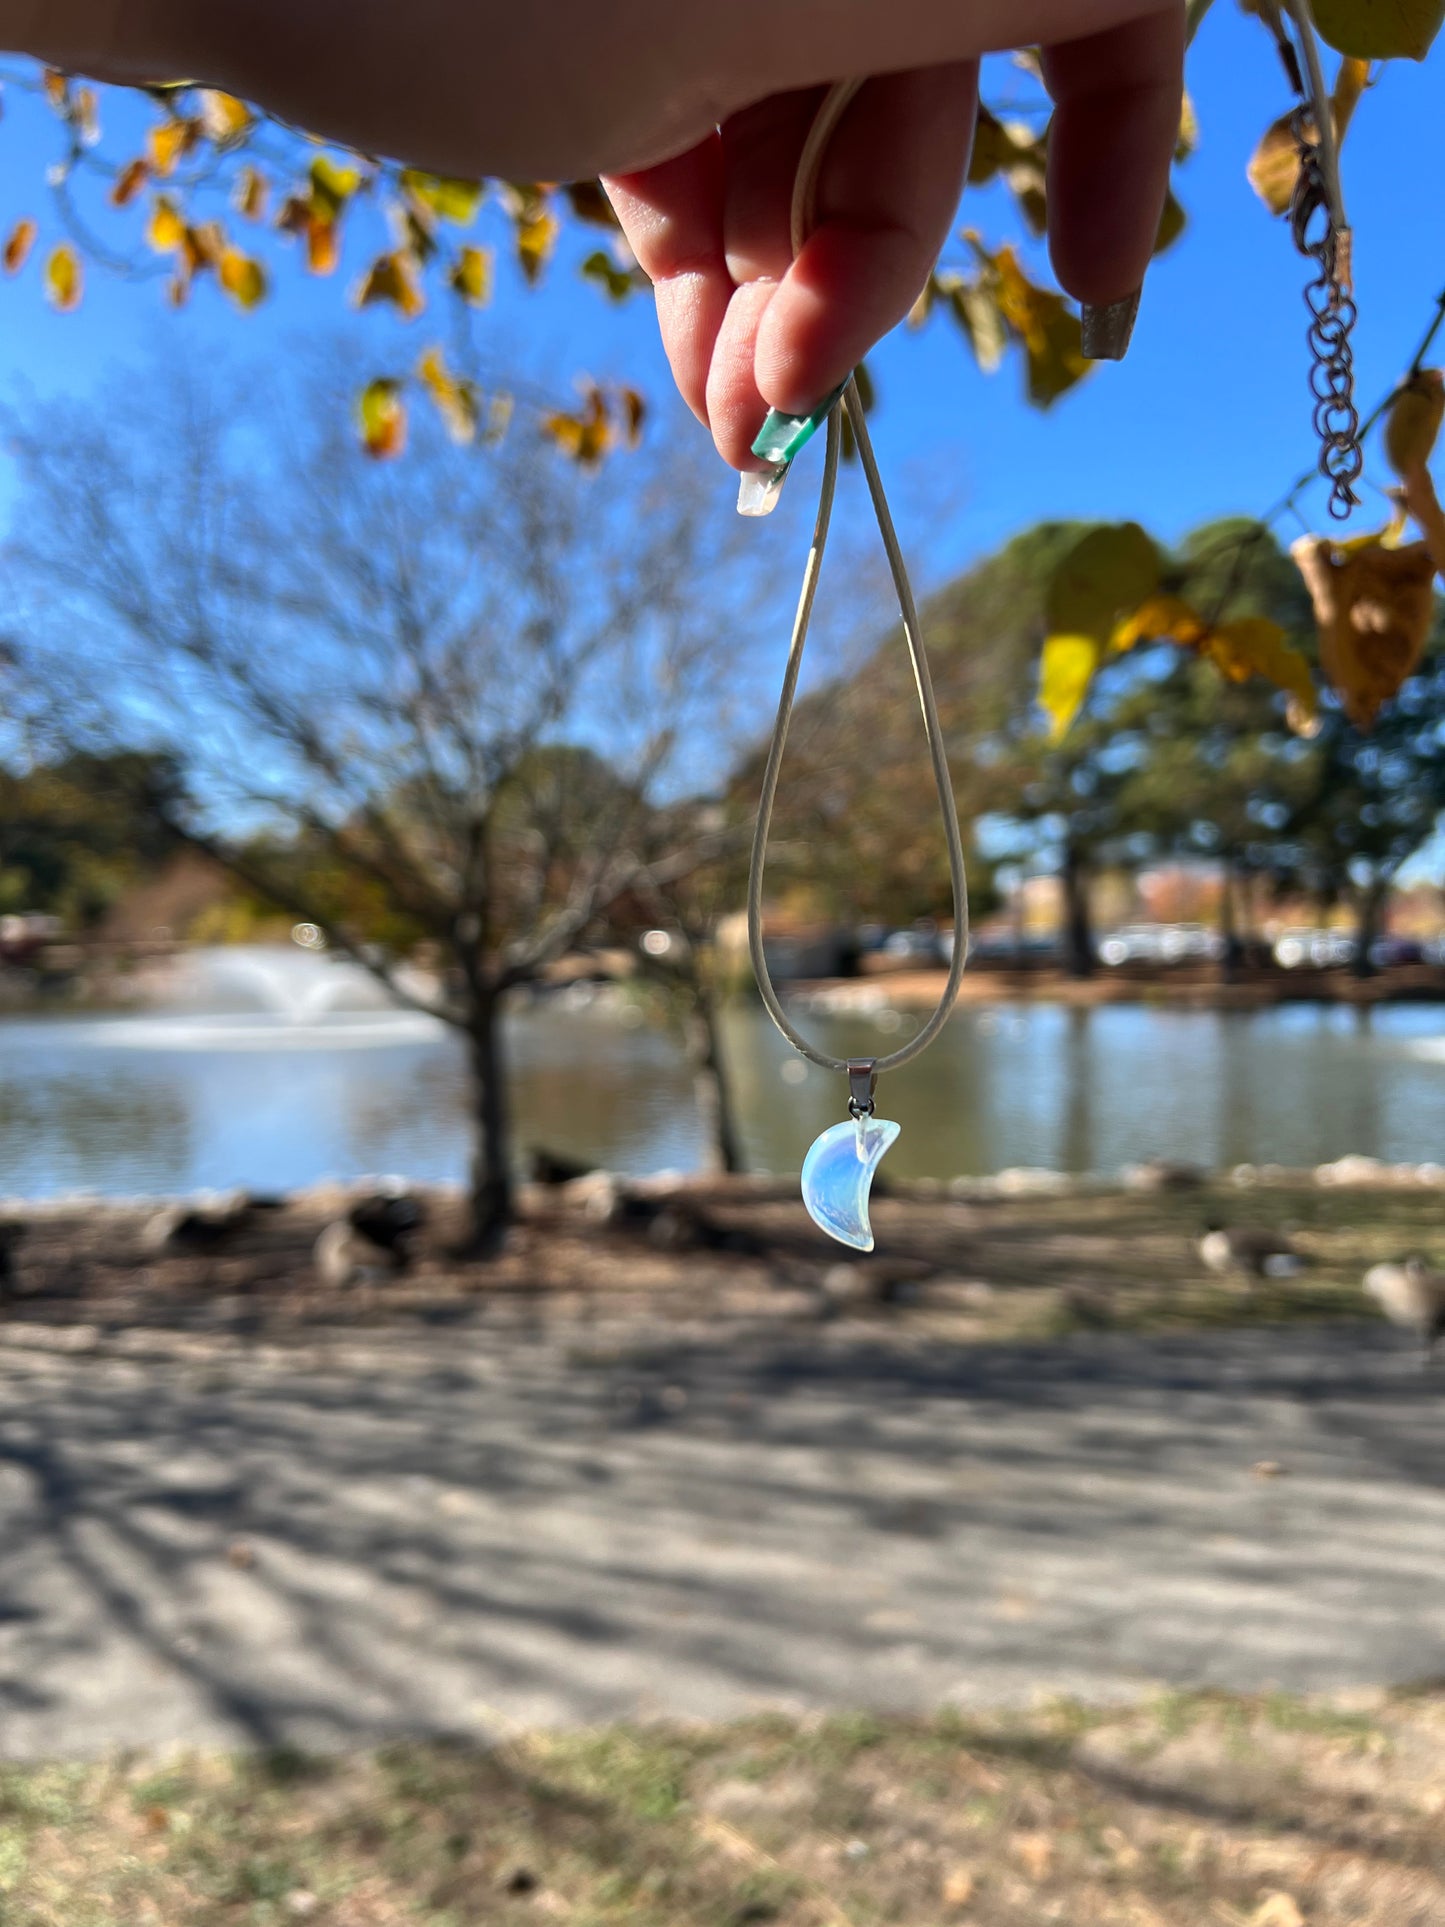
(781, 436)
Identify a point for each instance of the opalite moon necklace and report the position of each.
(838, 1170)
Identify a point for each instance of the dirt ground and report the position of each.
(961, 1263)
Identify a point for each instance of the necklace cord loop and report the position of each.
(803, 209)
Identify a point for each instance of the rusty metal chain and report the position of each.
(1330, 300)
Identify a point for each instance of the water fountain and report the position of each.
(278, 997)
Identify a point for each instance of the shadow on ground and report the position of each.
(369, 1534)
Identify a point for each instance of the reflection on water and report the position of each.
(172, 1103)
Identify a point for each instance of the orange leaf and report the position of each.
(322, 247)
(1374, 607)
(168, 141)
(129, 182)
(249, 196)
(17, 248)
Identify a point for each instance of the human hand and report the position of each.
(697, 114)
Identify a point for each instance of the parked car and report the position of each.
(922, 947)
(1388, 953)
(1321, 949)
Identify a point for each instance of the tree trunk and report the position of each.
(1079, 956)
(712, 1084)
(1371, 904)
(1231, 954)
(491, 1196)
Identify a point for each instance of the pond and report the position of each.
(166, 1103)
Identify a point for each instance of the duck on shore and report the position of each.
(1253, 1250)
(1412, 1296)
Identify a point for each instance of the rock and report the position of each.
(873, 1281)
(1353, 1169)
(598, 1194)
(344, 1256)
(1028, 1181)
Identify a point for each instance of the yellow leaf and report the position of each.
(1160, 618)
(249, 195)
(1274, 167)
(1046, 325)
(243, 278)
(634, 412)
(381, 413)
(1172, 223)
(166, 229)
(1188, 137)
(1374, 608)
(57, 90)
(450, 199)
(471, 275)
(1380, 29)
(17, 248)
(1254, 646)
(1350, 82)
(392, 277)
(1108, 572)
(1065, 673)
(536, 237)
(585, 436)
(168, 141)
(224, 119)
(1413, 423)
(977, 313)
(64, 279)
(1424, 505)
(332, 186)
(456, 399)
(129, 182)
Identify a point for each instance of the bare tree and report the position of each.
(443, 693)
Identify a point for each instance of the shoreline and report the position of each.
(1190, 989)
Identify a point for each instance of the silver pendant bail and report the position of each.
(862, 1083)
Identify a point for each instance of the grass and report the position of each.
(1203, 1808)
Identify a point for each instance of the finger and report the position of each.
(672, 216)
(1112, 140)
(761, 149)
(888, 189)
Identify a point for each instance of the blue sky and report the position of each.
(1208, 416)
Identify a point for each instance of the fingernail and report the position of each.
(758, 492)
(781, 436)
(1107, 330)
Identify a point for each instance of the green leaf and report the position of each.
(1380, 29)
(448, 197)
(1105, 576)
(601, 268)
